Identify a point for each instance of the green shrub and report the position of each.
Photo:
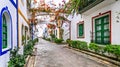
(58, 41)
(113, 49)
(109, 49)
(52, 35)
(35, 41)
(82, 45)
(67, 40)
(94, 47)
(48, 39)
(70, 43)
(28, 48)
(74, 44)
(43, 38)
(16, 60)
(77, 44)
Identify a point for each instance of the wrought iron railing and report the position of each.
(87, 4)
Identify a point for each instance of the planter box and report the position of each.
(100, 56)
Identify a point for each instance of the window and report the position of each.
(80, 27)
(5, 31)
(102, 33)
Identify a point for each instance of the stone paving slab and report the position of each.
(51, 55)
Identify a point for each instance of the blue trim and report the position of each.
(0, 34)
(14, 4)
(2, 11)
(17, 25)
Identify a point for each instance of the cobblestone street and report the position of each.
(52, 55)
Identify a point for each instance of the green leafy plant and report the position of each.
(16, 60)
(73, 5)
(48, 39)
(52, 35)
(74, 44)
(82, 45)
(58, 41)
(67, 40)
(78, 44)
(94, 47)
(113, 49)
(69, 43)
(35, 40)
(28, 49)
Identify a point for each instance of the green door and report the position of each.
(102, 34)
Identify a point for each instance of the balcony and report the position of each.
(88, 4)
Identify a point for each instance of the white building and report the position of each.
(66, 30)
(8, 29)
(13, 25)
(23, 25)
(98, 22)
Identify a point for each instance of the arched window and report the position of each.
(5, 31)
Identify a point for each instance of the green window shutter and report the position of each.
(102, 34)
(81, 32)
(4, 32)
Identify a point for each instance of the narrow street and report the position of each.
(52, 55)
(59, 33)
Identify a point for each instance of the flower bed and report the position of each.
(110, 51)
(18, 60)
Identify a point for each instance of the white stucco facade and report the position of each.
(99, 10)
(66, 30)
(12, 30)
(23, 24)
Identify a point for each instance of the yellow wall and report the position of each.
(20, 14)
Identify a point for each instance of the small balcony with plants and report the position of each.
(87, 4)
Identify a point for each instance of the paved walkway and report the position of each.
(52, 55)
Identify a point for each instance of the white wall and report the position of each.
(115, 25)
(22, 6)
(87, 17)
(4, 60)
(66, 32)
(3, 3)
(74, 20)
